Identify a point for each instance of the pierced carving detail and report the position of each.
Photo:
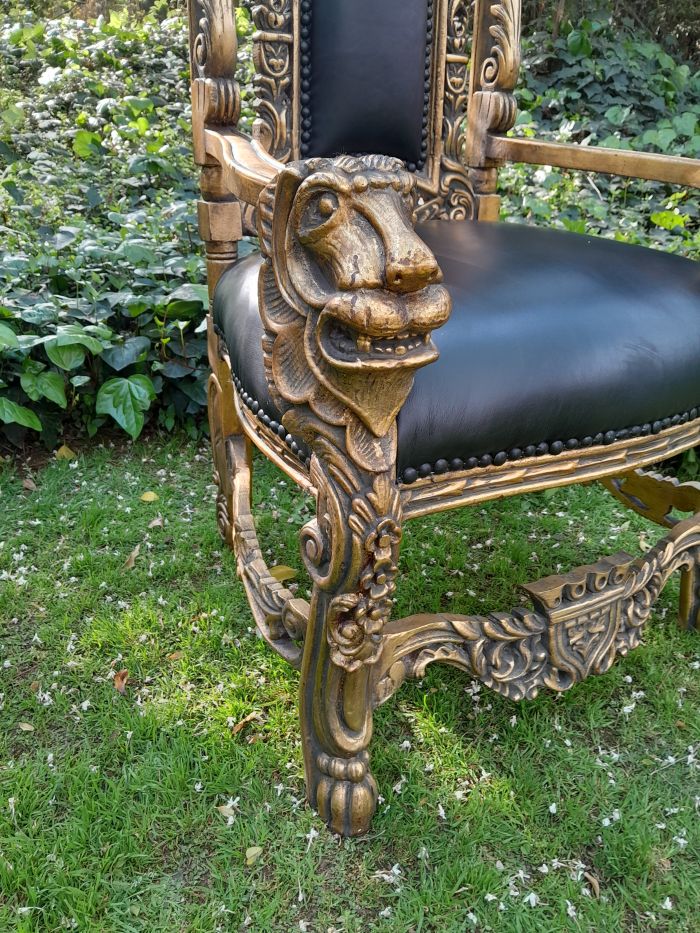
(273, 45)
(654, 496)
(581, 622)
(455, 197)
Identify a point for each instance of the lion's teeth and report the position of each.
(400, 350)
(364, 344)
(426, 338)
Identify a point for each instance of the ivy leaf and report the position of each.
(39, 384)
(87, 144)
(65, 357)
(64, 237)
(125, 354)
(12, 413)
(8, 338)
(126, 399)
(579, 43)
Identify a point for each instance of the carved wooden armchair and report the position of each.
(396, 356)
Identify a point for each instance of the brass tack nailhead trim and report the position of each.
(553, 448)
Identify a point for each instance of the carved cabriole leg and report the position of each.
(351, 552)
(655, 497)
(223, 424)
(689, 602)
(341, 347)
(279, 615)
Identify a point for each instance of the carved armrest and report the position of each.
(243, 165)
(349, 297)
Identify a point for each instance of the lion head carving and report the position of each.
(349, 294)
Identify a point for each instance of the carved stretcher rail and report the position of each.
(439, 493)
(580, 623)
(654, 496)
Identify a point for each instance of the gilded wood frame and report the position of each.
(342, 408)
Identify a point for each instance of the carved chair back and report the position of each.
(428, 81)
(390, 77)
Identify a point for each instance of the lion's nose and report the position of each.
(412, 271)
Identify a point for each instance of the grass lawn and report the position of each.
(134, 811)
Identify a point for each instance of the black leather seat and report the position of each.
(556, 340)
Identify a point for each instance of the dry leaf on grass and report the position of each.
(252, 854)
(28, 484)
(150, 496)
(156, 522)
(283, 573)
(65, 453)
(594, 883)
(26, 727)
(251, 717)
(226, 811)
(131, 559)
(175, 656)
(120, 680)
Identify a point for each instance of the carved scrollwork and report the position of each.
(499, 70)
(580, 623)
(273, 46)
(454, 199)
(213, 47)
(492, 107)
(356, 620)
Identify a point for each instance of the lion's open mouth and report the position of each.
(346, 347)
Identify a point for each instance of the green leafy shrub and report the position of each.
(102, 293)
(597, 86)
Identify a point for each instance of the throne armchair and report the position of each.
(396, 353)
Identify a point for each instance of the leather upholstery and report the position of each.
(553, 336)
(361, 93)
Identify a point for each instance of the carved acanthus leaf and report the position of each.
(499, 70)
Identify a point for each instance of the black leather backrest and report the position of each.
(365, 77)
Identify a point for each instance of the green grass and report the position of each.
(108, 806)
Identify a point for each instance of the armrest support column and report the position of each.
(492, 109)
(215, 102)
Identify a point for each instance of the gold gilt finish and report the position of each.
(349, 296)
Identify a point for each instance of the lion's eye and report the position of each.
(327, 205)
(319, 211)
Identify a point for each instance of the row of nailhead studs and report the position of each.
(305, 45)
(299, 450)
(427, 68)
(411, 474)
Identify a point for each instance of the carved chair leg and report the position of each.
(656, 497)
(351, 551)
(336, 726)
(224, 425)
(689, 605)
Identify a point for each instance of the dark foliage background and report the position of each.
(102, 292)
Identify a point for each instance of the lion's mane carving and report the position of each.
(349, 296)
